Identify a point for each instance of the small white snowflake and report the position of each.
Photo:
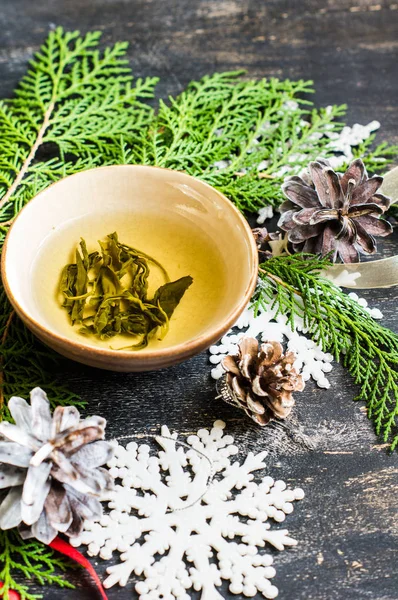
(311, 361)
(206, 516)
(264, 213)
(349, 137)
(341, 144)
(374, 312)
(343, 277)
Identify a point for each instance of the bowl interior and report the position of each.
(185, 224)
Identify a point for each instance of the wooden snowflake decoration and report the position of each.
(189, 504)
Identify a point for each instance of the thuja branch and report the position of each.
(294, 285)
(28, 559)
(279, 281)
(75, 102)
(2, 343)
(30, 157)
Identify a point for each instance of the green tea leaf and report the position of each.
(94, 258)
(135, 304)
(169, 295)
(114, 250)
(139, 283)
(109, 281)
(102, 317)
(80, 288)
(67, 285)
(86, 260)
(113, 285)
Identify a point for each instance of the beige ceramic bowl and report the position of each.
(99, 194)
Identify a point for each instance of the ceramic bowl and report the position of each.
(95, 196)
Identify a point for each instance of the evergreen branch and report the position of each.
(375, 157)
(74, 102)
(2, 344)
(241, 136)
(25, 363)
(30, 157)
(30, 559)
(294, 285)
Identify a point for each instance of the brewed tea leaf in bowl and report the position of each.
(107, 293)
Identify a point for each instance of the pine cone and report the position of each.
(262, 237)
(49, 471)
(261, 382)
(328, 212)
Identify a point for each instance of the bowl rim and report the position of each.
(181, 348)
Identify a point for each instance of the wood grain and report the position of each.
(347, 525)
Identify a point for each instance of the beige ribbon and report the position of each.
(375, 274)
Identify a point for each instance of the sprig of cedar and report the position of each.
(25, 363)
(294, 285)
(78, 108)
(240, 135)
(68, 114)
(31, 560)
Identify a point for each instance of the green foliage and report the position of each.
(222, 128)
(68, 114)
(30, 559)
(244, 123)
(375, 158)
(26, 363)
(295, 286)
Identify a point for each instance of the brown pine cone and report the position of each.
(331, 213)
(262, 238)
(261, 382)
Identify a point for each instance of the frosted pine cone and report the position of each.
(327, 212)
(50, 478)
(261, 382)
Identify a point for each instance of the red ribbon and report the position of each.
(65, 548)
(12, 594)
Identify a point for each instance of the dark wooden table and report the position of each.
(348, 524)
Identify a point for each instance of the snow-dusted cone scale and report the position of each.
(50, 468)
(327, 212)
(261, 381)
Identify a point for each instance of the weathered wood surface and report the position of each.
(348, 524)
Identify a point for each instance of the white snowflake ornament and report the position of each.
(189, 504)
